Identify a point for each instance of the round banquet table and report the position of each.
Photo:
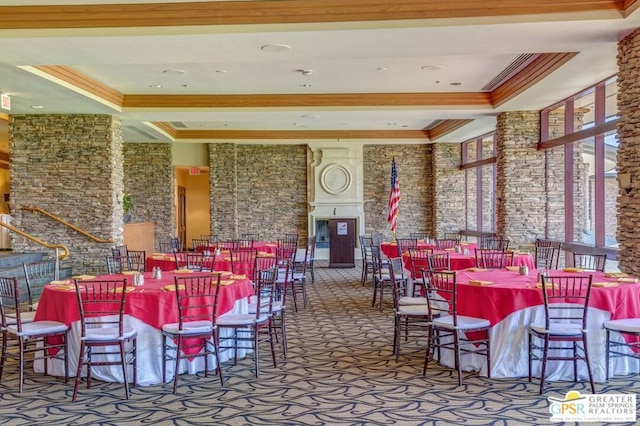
(147, 308)
(167, 262)
(460, 261)
(511, 302)
(390, 248)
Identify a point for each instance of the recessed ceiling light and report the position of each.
(174, 72)
(305, 85)
(37, 106)
(221, 71)
(431, 67)
(382, 69)
(275, 47)
(455, 83)
(310, 116)
(155, 86)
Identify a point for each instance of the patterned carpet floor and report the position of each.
(340, 371)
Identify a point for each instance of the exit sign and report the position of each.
(5, 101)
(194, 171)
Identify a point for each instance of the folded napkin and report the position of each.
(628, 280)
(172, 287)
(238, 277)
(84, 277)
(573, 269)
(480, 282)
(119, 289)
(171, 258)
(129, 272)
(615, 275)
(513, 268)
(60, 282)
(605, 284)
(221, 273)
(227, 282)
(477, 269)
(183, 271)
(548, 285)
(66, 287)
(157, 254)
(271, 245)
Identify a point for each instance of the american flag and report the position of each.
(394, 197)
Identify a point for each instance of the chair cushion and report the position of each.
(413, 310)
(106, 334)
(190, 327)
(406, 300)
(627, 325)
(238, 320)
(36, 328)
(558, 329)
(464, 322)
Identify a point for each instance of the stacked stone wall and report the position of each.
(629, 152)
(223, 190)
(448, 189)
(272, 190)
(413, 163)
(72, 167)
(149, 176)
(258, 189)
(520, 178)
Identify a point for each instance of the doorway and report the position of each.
(182, 214)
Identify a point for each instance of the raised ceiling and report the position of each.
(378, 70)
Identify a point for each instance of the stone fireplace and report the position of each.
(335, 187)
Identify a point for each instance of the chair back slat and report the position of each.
(197, 298)
(566, 299)
(101, 304)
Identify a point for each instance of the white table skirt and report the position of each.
(509, 351)
(149, 349)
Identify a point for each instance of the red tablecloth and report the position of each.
(460, 261)
(512, 292)
(390, 249)
(266, 246)
(150, 303)
(168, 262)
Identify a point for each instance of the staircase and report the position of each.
(11, 266)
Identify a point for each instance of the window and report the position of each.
(579, 139)
(478, 161)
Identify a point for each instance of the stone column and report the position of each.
(448, 189)
(629, 152)
(223, 181)
(149, 177)
(72, 167)
(520, 180)
(415, 173)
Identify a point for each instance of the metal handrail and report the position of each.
(36, 210)
(65, 250)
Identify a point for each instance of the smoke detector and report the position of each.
(305, 72)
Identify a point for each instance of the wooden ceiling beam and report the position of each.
(282, 12)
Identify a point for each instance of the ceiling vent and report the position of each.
(513, 68)
(142, 132)
(178, 125)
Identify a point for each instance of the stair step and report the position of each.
(9, 259)
(11, 266)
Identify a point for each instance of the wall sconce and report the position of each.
(625, 181)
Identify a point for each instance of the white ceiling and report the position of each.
(371, 57)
